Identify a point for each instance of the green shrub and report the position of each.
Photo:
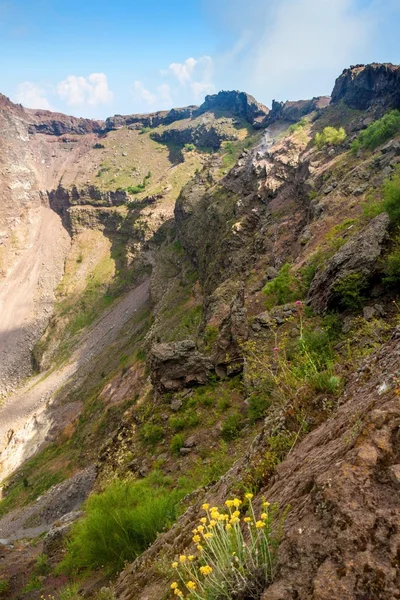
(391, 197)
(258, 405)
(98, 146)
(152, 434)
(325, 382)
(349, 290)
(120, 523)
(69, 592)
(4, 586)
(231, 427)
(330, 136)
(136, 189)
(42, 566)
(297, 126)
(34, 583)
(378, 132)
(392, 267)
(177, 443)
(284, 288)
(189, 147)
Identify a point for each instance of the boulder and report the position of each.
(54, 539)
(177, 365)
(358, 256)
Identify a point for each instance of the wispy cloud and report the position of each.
(32, 95)
(286, 49)
(193, 74)
(92, 90)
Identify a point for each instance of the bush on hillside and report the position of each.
(378, 132)
(120, 523)
(330, 136)
(391, 197)
(284, 288)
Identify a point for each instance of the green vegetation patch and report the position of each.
(120, 523)
(330, 136)
(378, 132)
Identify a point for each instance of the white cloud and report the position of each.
(91, 90)
(142, 93)
(288, 49)
(31, 95)
(193, 74)
(182, 71)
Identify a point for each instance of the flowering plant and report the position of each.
(235, 552)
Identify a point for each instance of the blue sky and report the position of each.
(97, 58)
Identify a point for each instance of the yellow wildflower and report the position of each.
(199, 548)
(229, 503)
(249, 496)
(194, 531)
(182, 558)
(228, 526)
(266, 504)
(247, 519)
(196, 539)
(206, 570)
(178, 593)
(236, 513)
(205, 506)
(208, 535)
(191, 585)
(260, 524)
(191, 557)
(234, 520)
(222, 517)
(203, 520)
(174, 585)
(201, 528)
(174, 565)
(213, 509)
(212, 523)
(264, 516)
(236, 502)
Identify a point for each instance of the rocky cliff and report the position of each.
(226, 321)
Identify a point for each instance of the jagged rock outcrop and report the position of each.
(233, 332)
(374, 86)
(177, 365)
(50, 123)
(162, 117)
(206, 135)
(294, 110)
(237, 103)
(358, 257)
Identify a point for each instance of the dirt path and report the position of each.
(27, 413)
(27, 295)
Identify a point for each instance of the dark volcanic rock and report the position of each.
(177, 365)
(162, 117)
(358, 256)
(365, 86)
(208, 135)
(237, 103)
(295, 110)
(52, 123)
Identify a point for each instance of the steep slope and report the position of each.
(266, 360)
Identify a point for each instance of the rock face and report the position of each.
(295, 110)
(358, 256)
(178, 365)
(365, 86)
(341, 482)
(162, 117)
(52, 123)
(237, 103)
(207, 135)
